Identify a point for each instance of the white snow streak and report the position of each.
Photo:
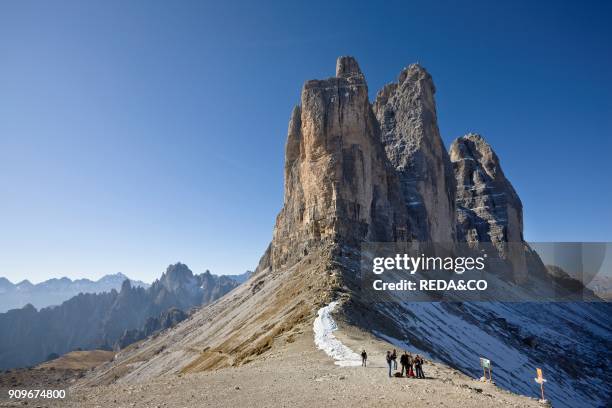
(323, 328)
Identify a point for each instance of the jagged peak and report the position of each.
(112, 277)
(347, 66)
(471, 146)
(178, 271)
(414, 68)
(338, 186)
(176, 267)
(416, 72)
(413, 73)
(475, 137)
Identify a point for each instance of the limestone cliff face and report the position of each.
(356, 171)
(488, 208)
(406, 112)
(339, 185)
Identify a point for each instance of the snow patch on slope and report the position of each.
(323, 327)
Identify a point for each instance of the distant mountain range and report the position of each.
(110, 319)
(55, 291)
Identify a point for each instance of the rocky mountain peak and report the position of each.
(24, 285)
(178, 279)
(347, 67)
(339, 186)
(406, 112)
(474, 147)
(177, 272)
(414, 73)
(489, 210)
(126, 286)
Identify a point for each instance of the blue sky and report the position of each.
(135, 134)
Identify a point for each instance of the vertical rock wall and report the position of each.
(406, 112)
(339, 185)
(488, 208)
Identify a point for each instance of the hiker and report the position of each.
(410, 363)
(389, 362)
(364, 358)
(404, 363)
(418, 365)
(394, 359)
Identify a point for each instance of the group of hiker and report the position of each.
(411, 366)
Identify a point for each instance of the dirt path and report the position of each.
(298, 375)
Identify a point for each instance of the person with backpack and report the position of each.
(364, 358)
(410, 364)
(418, 364)
(404, 363)
(389, 362)
(394, 359)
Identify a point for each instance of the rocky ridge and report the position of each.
(99, 320)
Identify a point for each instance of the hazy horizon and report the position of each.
(109, 274)
(133, 137)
